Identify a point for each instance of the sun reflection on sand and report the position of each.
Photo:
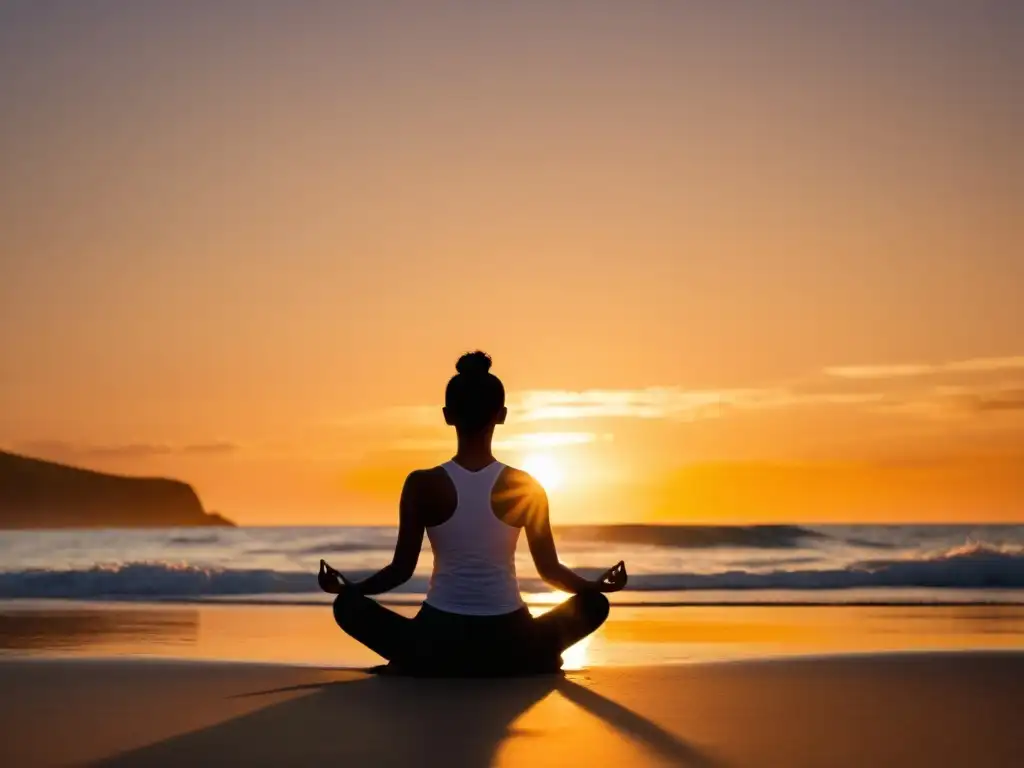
(542, 602)
(575, 657)
(308, 635)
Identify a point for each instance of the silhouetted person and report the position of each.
(474, 621)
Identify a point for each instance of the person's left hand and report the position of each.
(614, 578)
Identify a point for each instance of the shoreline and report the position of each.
(810, 657)
(308, 635)
(853, 597)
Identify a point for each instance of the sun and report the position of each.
(545, 469)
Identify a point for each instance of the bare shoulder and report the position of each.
(520, 480)
(421, 477)
(517, 497)
(432, 494)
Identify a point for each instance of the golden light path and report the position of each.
(575, 657)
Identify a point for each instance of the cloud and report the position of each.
(68, 450)
(532, 440)
(903, 370)
(958, 402)
(516, 442)
(681, 404)
(1007, 399)
(984, 364)
(909, 370)
(672, 403)
(648, 403)
(44, 448)
(210, 449)
(128, 450)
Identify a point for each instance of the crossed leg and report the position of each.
(394, 636)
(568, 623)
(381, 630)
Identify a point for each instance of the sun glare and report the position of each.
(575, 657)
(545, 468)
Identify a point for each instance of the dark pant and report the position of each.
(436, 642)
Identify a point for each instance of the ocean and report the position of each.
(669, 565)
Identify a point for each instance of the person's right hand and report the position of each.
(328, 579)
(614, 578)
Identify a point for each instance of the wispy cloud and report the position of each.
(209, 449)
(645, 403)
(908, 370)
(899, 371)
(984, 399)
(648, 403)
(533, 440)
(958, 402)
(517, 442)
(879, 388)
(69, 450)
(671, 403)
(1009, 400)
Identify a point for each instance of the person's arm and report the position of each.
(407, 548)
(545, 556)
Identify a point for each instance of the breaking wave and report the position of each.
(194, 540)
(694, 536)
(344, 547)
(973, 566)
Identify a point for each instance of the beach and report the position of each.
(908, 710)
(864, 646)
(113, 684)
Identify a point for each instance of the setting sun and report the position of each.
(546, 469)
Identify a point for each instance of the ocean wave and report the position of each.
(694, 536)
(868, 543)
(146, 580)
(968, 567)
(190, 540)
(343, 547)
(974, 566)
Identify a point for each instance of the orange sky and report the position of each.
(759, 262)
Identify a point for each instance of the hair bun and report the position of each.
(474, 363)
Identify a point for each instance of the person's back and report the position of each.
(473, 621)
(474, 551)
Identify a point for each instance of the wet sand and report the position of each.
(902, 709)
(306, 634)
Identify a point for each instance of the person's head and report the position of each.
(474, 400)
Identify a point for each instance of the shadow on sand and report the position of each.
(395, 721)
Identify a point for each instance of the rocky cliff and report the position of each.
(42, 494)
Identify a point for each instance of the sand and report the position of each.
(307, 634)
(902, 710)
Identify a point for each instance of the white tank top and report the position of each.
(474, 552)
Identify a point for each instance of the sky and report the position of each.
(734, 261)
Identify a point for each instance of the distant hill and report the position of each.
(42, 494)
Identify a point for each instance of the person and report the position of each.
(472, 508)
